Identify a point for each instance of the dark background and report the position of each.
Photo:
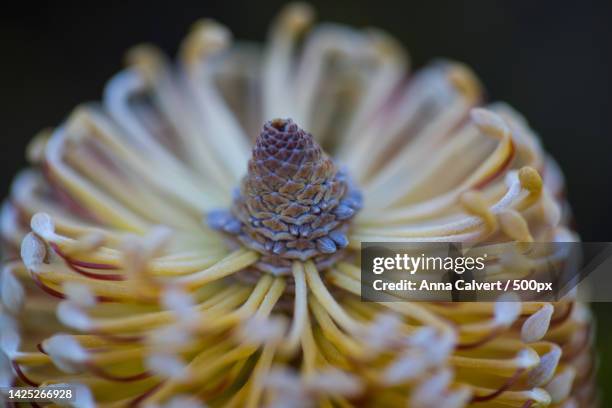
(552, 60)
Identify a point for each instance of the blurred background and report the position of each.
(552, 60)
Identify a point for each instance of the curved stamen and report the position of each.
(22, 375)
(506, 386)
(112, 377)
(477, 343)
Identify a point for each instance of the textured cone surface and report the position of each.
(293, 202)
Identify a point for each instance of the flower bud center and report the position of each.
(293, 204)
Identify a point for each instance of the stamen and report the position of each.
(136, 401)
(560, 386)
(80, 294)
(22, 375)
(46, 288)
(514, 225)
(293, 204)
(530, 179)
(536, 326)
(33, 252)
(506, 386)
(475, 204)
(259, 330)
(546, 368)
(432, 388)
(84, 397)
(406, 368)
(12, 295)
(180, 303)
(507, 309)
(334, 381)
(9, 339)
(67, 354)
(477, 343)
(6, 371)
(167, 366)
(72, 316)
(183, 402)
(100, 372)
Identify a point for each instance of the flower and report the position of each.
(135, 271)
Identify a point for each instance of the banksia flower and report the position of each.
(153, 257)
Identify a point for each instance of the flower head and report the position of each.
(155, 258)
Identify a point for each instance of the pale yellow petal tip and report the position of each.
(143, 53)
(386, 45)
(180, 401)
(546, 368)
(9, 347)
(536, 326)
(530, 179)
(490, 123)
(296, 17)
(35, 151)
(86, 243)
(335, 381)
(206, 37)
(539, 397)
(560, 386)
(157, 239)
(33, 252)
(260, 330)
(167, 365)
(80, 294)
(78, 121)
(12, 294)
(42, 224)
(514, 226)
(72, 315)
(476, 204)
(147, 59)
(66, 353)
(527, 358)
(507, 309)
(466, 82)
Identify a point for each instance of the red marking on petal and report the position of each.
(500, 390)
(111, 377)
(136, 401)
(120, 339)
(76, 266)
(480, 342)
(22, 375)
(93, 265)
(564, 316)
(97, 276)
(46, 288)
